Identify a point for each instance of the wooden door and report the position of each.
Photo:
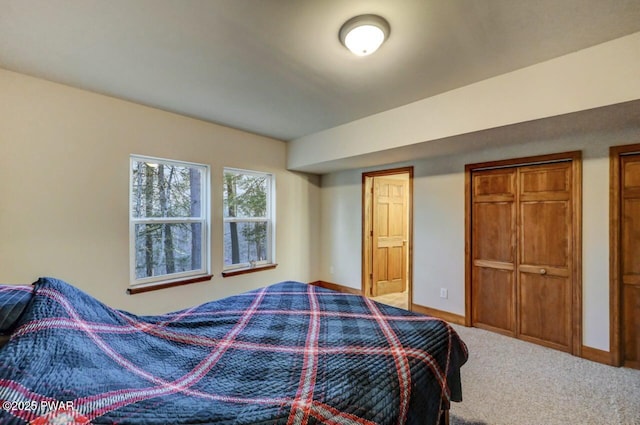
(630, 259)
(545, 254)
(494, 242)
(390, 198)
(523, 249)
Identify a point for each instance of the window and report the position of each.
(169, 220)
(248, 222)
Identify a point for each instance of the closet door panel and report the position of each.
(545, 309)
(494, 300)
(545, 248)
(544, 239)
(494, 237)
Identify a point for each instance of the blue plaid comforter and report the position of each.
(289, 353)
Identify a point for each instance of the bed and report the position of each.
(288, 353)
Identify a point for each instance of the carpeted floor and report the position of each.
(507, 382)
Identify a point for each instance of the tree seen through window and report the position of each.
(247, 220)
(168, 217)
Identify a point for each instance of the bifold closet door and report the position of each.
(522, 252)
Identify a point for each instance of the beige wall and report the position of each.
(439, 224)
(64, 176)
(605, 74)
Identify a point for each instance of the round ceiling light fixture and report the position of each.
(363, 34)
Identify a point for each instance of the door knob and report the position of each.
(543, 271)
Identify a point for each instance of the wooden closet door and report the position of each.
(494, 242)
(545, 254)
(630, 259)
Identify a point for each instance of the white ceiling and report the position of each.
(276, 67)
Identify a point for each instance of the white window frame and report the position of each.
(269, 218)
(204, 220)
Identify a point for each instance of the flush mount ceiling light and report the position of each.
(363, 34)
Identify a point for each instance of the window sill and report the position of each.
(237, 272)
(158, 286)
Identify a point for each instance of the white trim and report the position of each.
(270, 242)
(204, 220)
(152, 159)
(167, 220)
(245, 219)
(244, 171)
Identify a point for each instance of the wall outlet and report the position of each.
(331, 270)
(444, 293)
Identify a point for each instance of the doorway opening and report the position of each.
(387, 236)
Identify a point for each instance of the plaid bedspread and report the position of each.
(289, 353)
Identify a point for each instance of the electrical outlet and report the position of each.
(444, 293)
(331, 270)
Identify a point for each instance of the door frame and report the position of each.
(367, 244)
(575, 157)
(615, 236)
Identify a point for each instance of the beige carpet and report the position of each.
(507, 381)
